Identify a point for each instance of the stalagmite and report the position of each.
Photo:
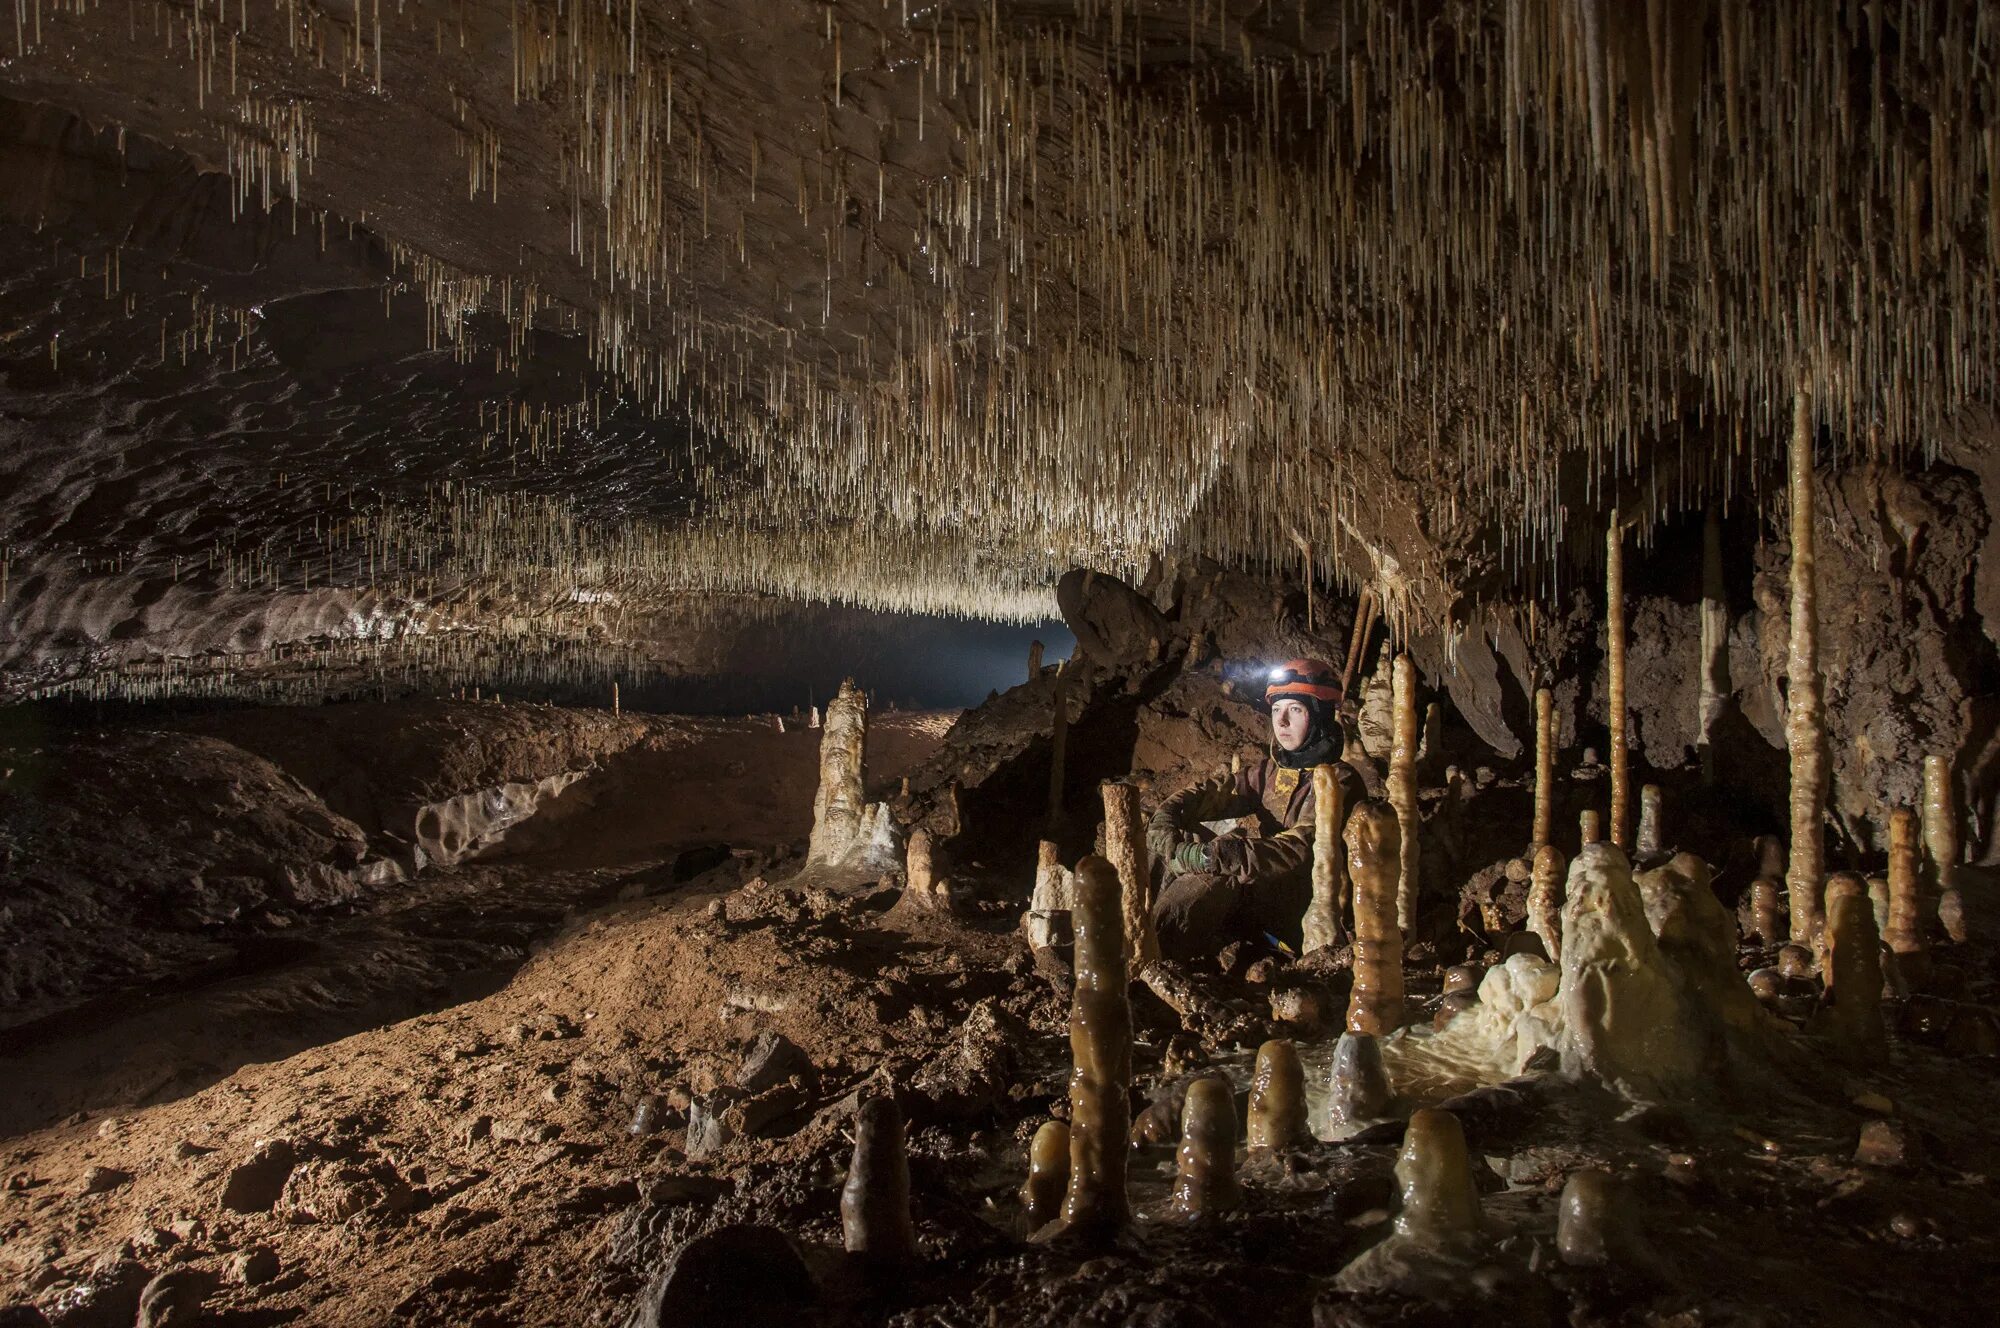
(1205, 1166)
(1614, 660)
(1125, 846)
(921, 886)
(1048, 917)
(1878, 903)
(1767, 921)
(1625, 1020)
(1597, 1222)
(1434, 1172)
(1545, 900)
(1805, 720)
(1358, 1086)
(1048, 1175)
(1034, 660)
(1375, 1004)
(1904, 933)
(1100, 1038)
(1545, 767)
(1059, 740)
(1277, 1107)
(1647, 844)
(1590, 826)
(838, 806)
(1321, 923)
(1941, 846)
(1714, 671)
(1402, 787)
(1853, 969)
(875, 1203)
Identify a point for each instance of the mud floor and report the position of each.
(612, 1078)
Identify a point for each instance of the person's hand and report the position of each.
(1162, 838)
(1192, 855)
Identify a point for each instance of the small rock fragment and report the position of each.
(253, 1186)
(254, 1266)
(1886, 1143)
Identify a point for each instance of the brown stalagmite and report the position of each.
(1321, 923)
(1805, 720)
(1589, 826)
(1598, 1223)
(1767, 910)
(1125, 845)
(1048, 1175)
(838, 806)
(1402, 786)
(1205, 1166)
(1853, 969)
(1375, 1004)
(1434, 1171)
(1545, 900)
(1059, 740)
(1904, 934)
(875, 1202)
(1100, 1040)
(1614, 661)
(1277, 1106)
(1715, 686)
(920, 884)
(1941, 846)
(1647, 843)
(1545, 767)
(1034, 660)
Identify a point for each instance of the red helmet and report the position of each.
(1306, 680)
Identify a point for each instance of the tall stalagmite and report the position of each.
(1715, 686)
(1321, 923)
(1402, 787)
(1614, 662)
(1805, 719)
(838, 806)
(1125, 845)
(1545, 767)
(1941, 847)
(1375, 1003)
(1100, 1040)
(1853, 968)
(1545, 899)
(1904, 934)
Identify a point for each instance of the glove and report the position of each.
(1192, 855)
(1162, 838)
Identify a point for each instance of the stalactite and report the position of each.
(1714, 670)
(1059, 739)
(1545, 900)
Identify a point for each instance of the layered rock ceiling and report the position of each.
(342, 320)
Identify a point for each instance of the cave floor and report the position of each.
(426, 1114)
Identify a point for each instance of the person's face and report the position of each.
(1290, 723)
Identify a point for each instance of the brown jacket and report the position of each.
(1282, 801)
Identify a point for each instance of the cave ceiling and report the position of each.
(521, 309)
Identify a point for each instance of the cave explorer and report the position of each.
(1249, 884)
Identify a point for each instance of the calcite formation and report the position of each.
(1805, 717)
(1626, 1022)
(875, 1218)
(1545, 899)
(1205, 1182)
(1125, 846)
(1545, 768)
(1358, 1087)
(1048, 1175)
(1439, 1232)
(1321, 923)
(1614, 667)
(1941, 846)
(1597, 1222)
(1375, 1003)
(1100, 1039)
(1904, 929)
(1647, 844)
(1853, 968)
(1402, 787)
(839, 805)
(1277, 1105)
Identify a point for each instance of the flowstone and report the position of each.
(1626, 1020)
